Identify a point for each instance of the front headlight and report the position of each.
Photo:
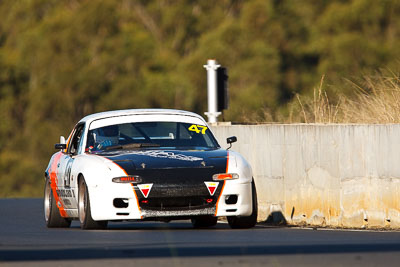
(225, 176)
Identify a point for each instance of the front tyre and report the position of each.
(85, 215)
(242, 222)
(51, 213)
(204, 221)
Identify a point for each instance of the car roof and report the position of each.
(115, 113)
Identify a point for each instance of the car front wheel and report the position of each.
(52, 215)
(85, 216)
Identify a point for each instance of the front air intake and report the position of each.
(121, 202)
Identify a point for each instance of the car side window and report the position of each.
(76, 141)
(81, 145)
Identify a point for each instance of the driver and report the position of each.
(106, 136)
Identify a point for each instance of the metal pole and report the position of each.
(211, 68)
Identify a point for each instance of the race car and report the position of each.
(147, 164)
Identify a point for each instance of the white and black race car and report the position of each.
(148, 164)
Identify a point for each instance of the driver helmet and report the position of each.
(106, 136)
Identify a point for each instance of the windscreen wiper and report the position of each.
(132, 145)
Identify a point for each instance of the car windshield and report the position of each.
(151, 134)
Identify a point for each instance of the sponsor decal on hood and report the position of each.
(165, 154)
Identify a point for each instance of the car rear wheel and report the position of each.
(85, 216)
(204, 221)
(51, 213)
(241, 222)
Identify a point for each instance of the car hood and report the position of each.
(169, 166)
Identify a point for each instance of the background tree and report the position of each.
(62, 60)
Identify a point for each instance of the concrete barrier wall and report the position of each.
(333, 175)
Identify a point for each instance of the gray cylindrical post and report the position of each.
(211, 68)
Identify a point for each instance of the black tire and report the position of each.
(236, 222)
(85, 215)
(52, 215)
(204, 221)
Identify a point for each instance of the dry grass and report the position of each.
(376, 101)
(319, 109)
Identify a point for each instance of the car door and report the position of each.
(66, 190)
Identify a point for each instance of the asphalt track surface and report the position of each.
(25, 241)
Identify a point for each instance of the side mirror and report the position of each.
(62, 144)
(231, 140)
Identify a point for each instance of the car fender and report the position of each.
(240, 187)
(47, 171)
(238, 164)
(96, 170)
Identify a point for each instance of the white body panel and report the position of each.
(241, 187)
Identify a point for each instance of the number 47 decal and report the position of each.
(196, 128)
